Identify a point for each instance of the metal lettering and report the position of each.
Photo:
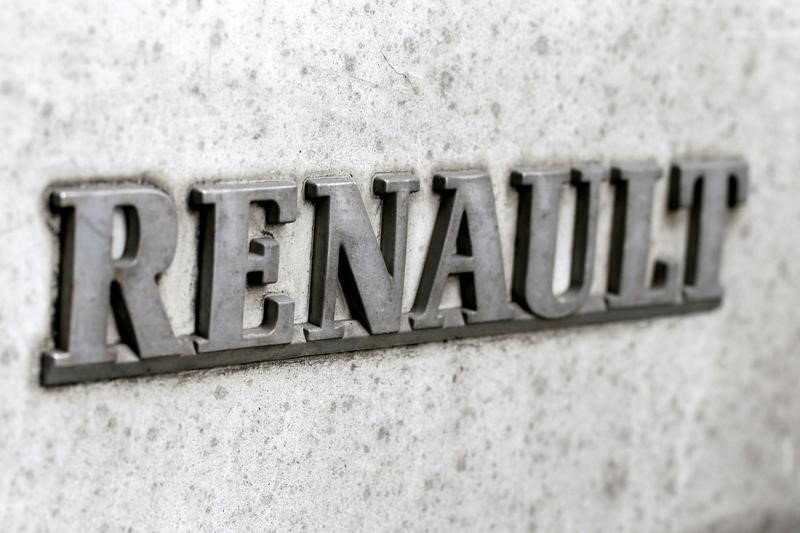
(634, 185)
(465, 242)
(229, 260)
(537, 231)
(707, 187)
(93, 283)
(345, 249)
(102, 275)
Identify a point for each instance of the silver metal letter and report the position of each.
(708, 187)
(345, 250)
(537, 231)
(630, 242)
(229, 260)
(93, 282)
(466, 242)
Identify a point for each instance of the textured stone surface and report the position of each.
(682, 424)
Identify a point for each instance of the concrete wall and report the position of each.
(679, 424)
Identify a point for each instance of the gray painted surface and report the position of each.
(677, 424)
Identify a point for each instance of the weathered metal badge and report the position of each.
(97, 285)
